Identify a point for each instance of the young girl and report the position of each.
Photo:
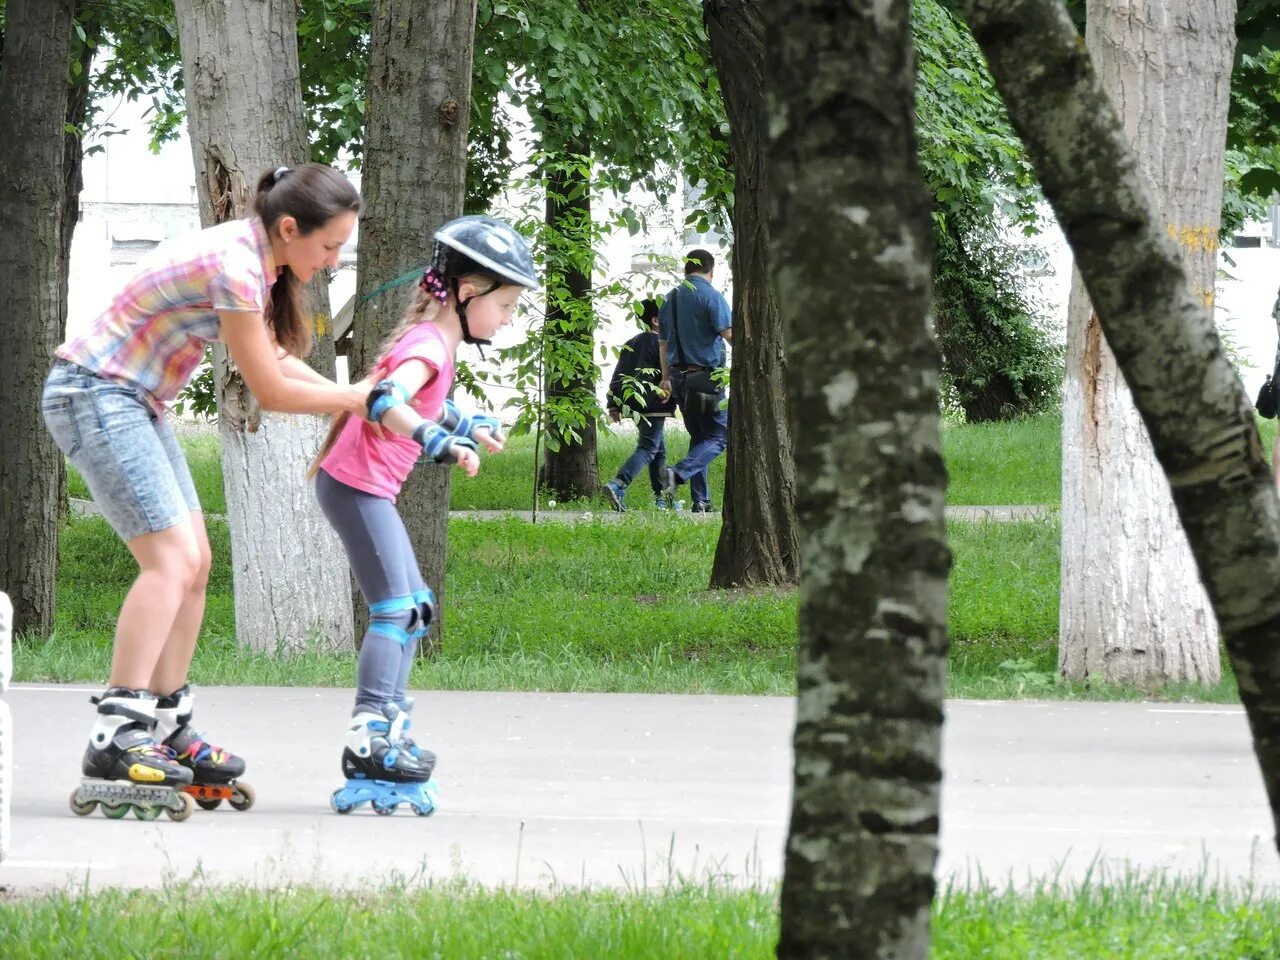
(479, 269)
(238, 282)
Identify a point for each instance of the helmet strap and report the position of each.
(462, 314)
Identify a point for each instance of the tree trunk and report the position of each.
(33, 91)
(569, 469)
(415, 161)
(757, 542)
(244, 114)
(73, 158)
(851, 259)
(1133, 610)
(1153, 310)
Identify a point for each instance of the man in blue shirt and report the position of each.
(693, 326)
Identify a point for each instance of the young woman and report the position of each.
(238, 282)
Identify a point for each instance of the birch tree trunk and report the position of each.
(850, 229)
(1133, 610)
(758, 537)
(33, 96)
(415, 160)
(244, 114)
(1152, 309)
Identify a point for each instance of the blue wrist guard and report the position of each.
(465, 424)
(437, 443)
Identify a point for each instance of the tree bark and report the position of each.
(415, 160)
(1133, 610)
(1153, 312)
(570, 469)
(33, 94)
(758, 538)
(244, 114)
(851, 258)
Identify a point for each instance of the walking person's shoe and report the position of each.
(670, 481)
(613, 494)
(702, 506)
(660, 502)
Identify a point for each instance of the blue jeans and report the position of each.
(123, 448)
(651, 449)
(708, 435)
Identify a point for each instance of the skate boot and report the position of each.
(379, 770)
(214, 771)
(124, 768)
(421, 754)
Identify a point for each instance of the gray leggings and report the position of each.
(400, 604)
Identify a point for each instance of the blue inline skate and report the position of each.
(383, 768)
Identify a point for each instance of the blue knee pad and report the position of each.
(403, 618)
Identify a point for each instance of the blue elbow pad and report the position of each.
(386, 395)
(437, 443)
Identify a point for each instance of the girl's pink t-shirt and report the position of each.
(376, 464)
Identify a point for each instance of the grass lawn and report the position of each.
(602, 607)
(1135, 919)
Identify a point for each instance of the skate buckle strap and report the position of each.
(389, 758)
(120, 710)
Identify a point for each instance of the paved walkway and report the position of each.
(1005, 514)
(629, 789)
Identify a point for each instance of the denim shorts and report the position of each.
(122, 446)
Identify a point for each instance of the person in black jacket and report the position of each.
(634, 388)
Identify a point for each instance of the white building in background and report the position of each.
(133, 199)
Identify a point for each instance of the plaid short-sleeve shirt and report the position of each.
(153, 334)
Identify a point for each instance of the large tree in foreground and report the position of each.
(849, 220)
(1133, 610)
(33, 97)
(1158, 325)
(244, 108)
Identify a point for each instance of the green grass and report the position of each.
(987, 464)
(604, 607)
(1134, 918)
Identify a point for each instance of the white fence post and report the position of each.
(6, 721)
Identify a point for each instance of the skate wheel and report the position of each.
(342, 808)
(213, 804)
(146, 813)
(424, 811)
(188, 808)
(115, 811)
(81, 809)
(243, 797)
(383, 811)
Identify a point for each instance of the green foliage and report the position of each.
(973, 162)
(999, 361)
(143, 62)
